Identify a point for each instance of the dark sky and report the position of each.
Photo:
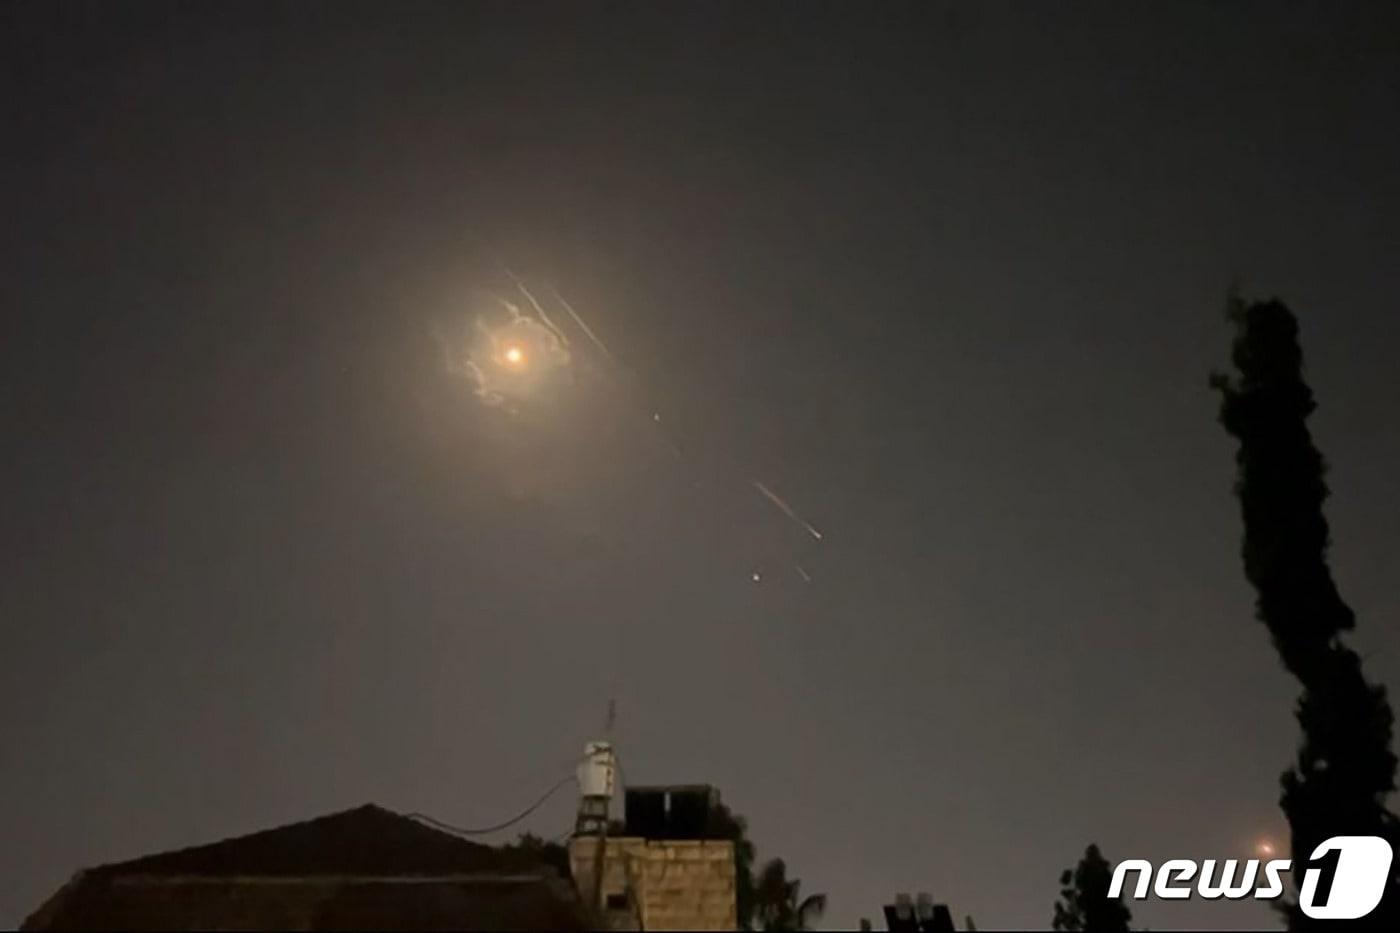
(950, 278)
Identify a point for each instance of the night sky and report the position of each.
(949, 278)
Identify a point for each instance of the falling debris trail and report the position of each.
(583, 326)
(777, 500)
(510, 306)
(563, 338)
(539, 309)
(769, 494)
(504, 375)
(671, 443)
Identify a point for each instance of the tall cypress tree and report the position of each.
(1345, 767)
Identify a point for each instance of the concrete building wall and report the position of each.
(657, 884)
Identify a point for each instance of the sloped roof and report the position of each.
(367, 840)
(367, 868)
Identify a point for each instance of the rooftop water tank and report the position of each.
(595, 772)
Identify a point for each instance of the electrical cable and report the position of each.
(462, 831)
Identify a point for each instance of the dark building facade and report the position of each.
(362, 869)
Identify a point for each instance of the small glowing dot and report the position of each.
(515, 356)
(756, 576)
(1266, 848)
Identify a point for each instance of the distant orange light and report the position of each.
(515, 356)
(1266, 848)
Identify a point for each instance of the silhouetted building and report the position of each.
(665, 872)
(921, 916)
(366, 868)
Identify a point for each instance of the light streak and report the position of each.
(544, 318)
(583, 326)
(787, 510)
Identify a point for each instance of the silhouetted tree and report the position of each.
(1344, 768)
(726, 824)
(1084, 904)
(778, 901)
(532, 849)
(753, 903)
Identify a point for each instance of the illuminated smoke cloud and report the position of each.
(510, 357)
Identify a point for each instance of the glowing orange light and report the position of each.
(1266, 848)
(515, 356)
